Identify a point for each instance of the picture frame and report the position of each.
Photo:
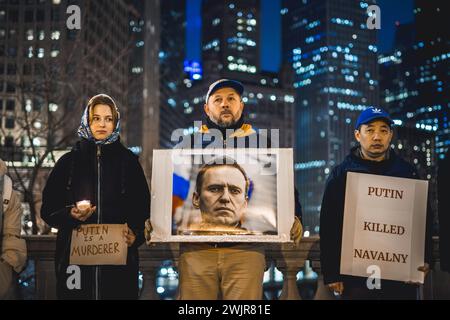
(266, 216)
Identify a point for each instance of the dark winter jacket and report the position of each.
(124, 199)
(238, 135)
(444, 211)
(332, 210)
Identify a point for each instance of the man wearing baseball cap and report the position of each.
(224, 110)
(373, 155)
(229, 271)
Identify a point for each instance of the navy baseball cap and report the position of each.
(224, 83)
(371, 114)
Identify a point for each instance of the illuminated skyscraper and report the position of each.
(231, 36)
(334, 57)
(414, 77)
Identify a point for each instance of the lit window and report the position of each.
(37, 142)
(30, 35)
(30, 52)
(55, 35)
(28, 105)
(53, 107)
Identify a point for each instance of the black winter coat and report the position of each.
(124, 197)
(444, 211)
(332, 211)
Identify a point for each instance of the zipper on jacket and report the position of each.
(97, 271)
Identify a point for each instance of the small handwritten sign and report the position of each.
(98, 244)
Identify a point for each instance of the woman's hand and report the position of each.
(129, 235)
(82, 215)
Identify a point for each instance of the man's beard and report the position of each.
(226, 123)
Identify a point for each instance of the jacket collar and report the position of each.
(240, 128)
(88, 146)
(355, 155)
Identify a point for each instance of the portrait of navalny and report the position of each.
(221, 196)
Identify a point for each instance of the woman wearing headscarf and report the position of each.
(99, 169)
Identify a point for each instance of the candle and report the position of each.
(83, 205)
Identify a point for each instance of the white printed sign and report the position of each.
(384, 225)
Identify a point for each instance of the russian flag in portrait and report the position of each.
(180, 188)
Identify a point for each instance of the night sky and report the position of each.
(391, 12)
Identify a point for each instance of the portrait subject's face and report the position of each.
(222, 199)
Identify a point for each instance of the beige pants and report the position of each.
(233, 273)
(7, 289)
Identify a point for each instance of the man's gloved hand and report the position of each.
(296, 231)
(148, 231)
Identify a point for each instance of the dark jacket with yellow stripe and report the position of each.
(239, 135)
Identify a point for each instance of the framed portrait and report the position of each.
(222, 195)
